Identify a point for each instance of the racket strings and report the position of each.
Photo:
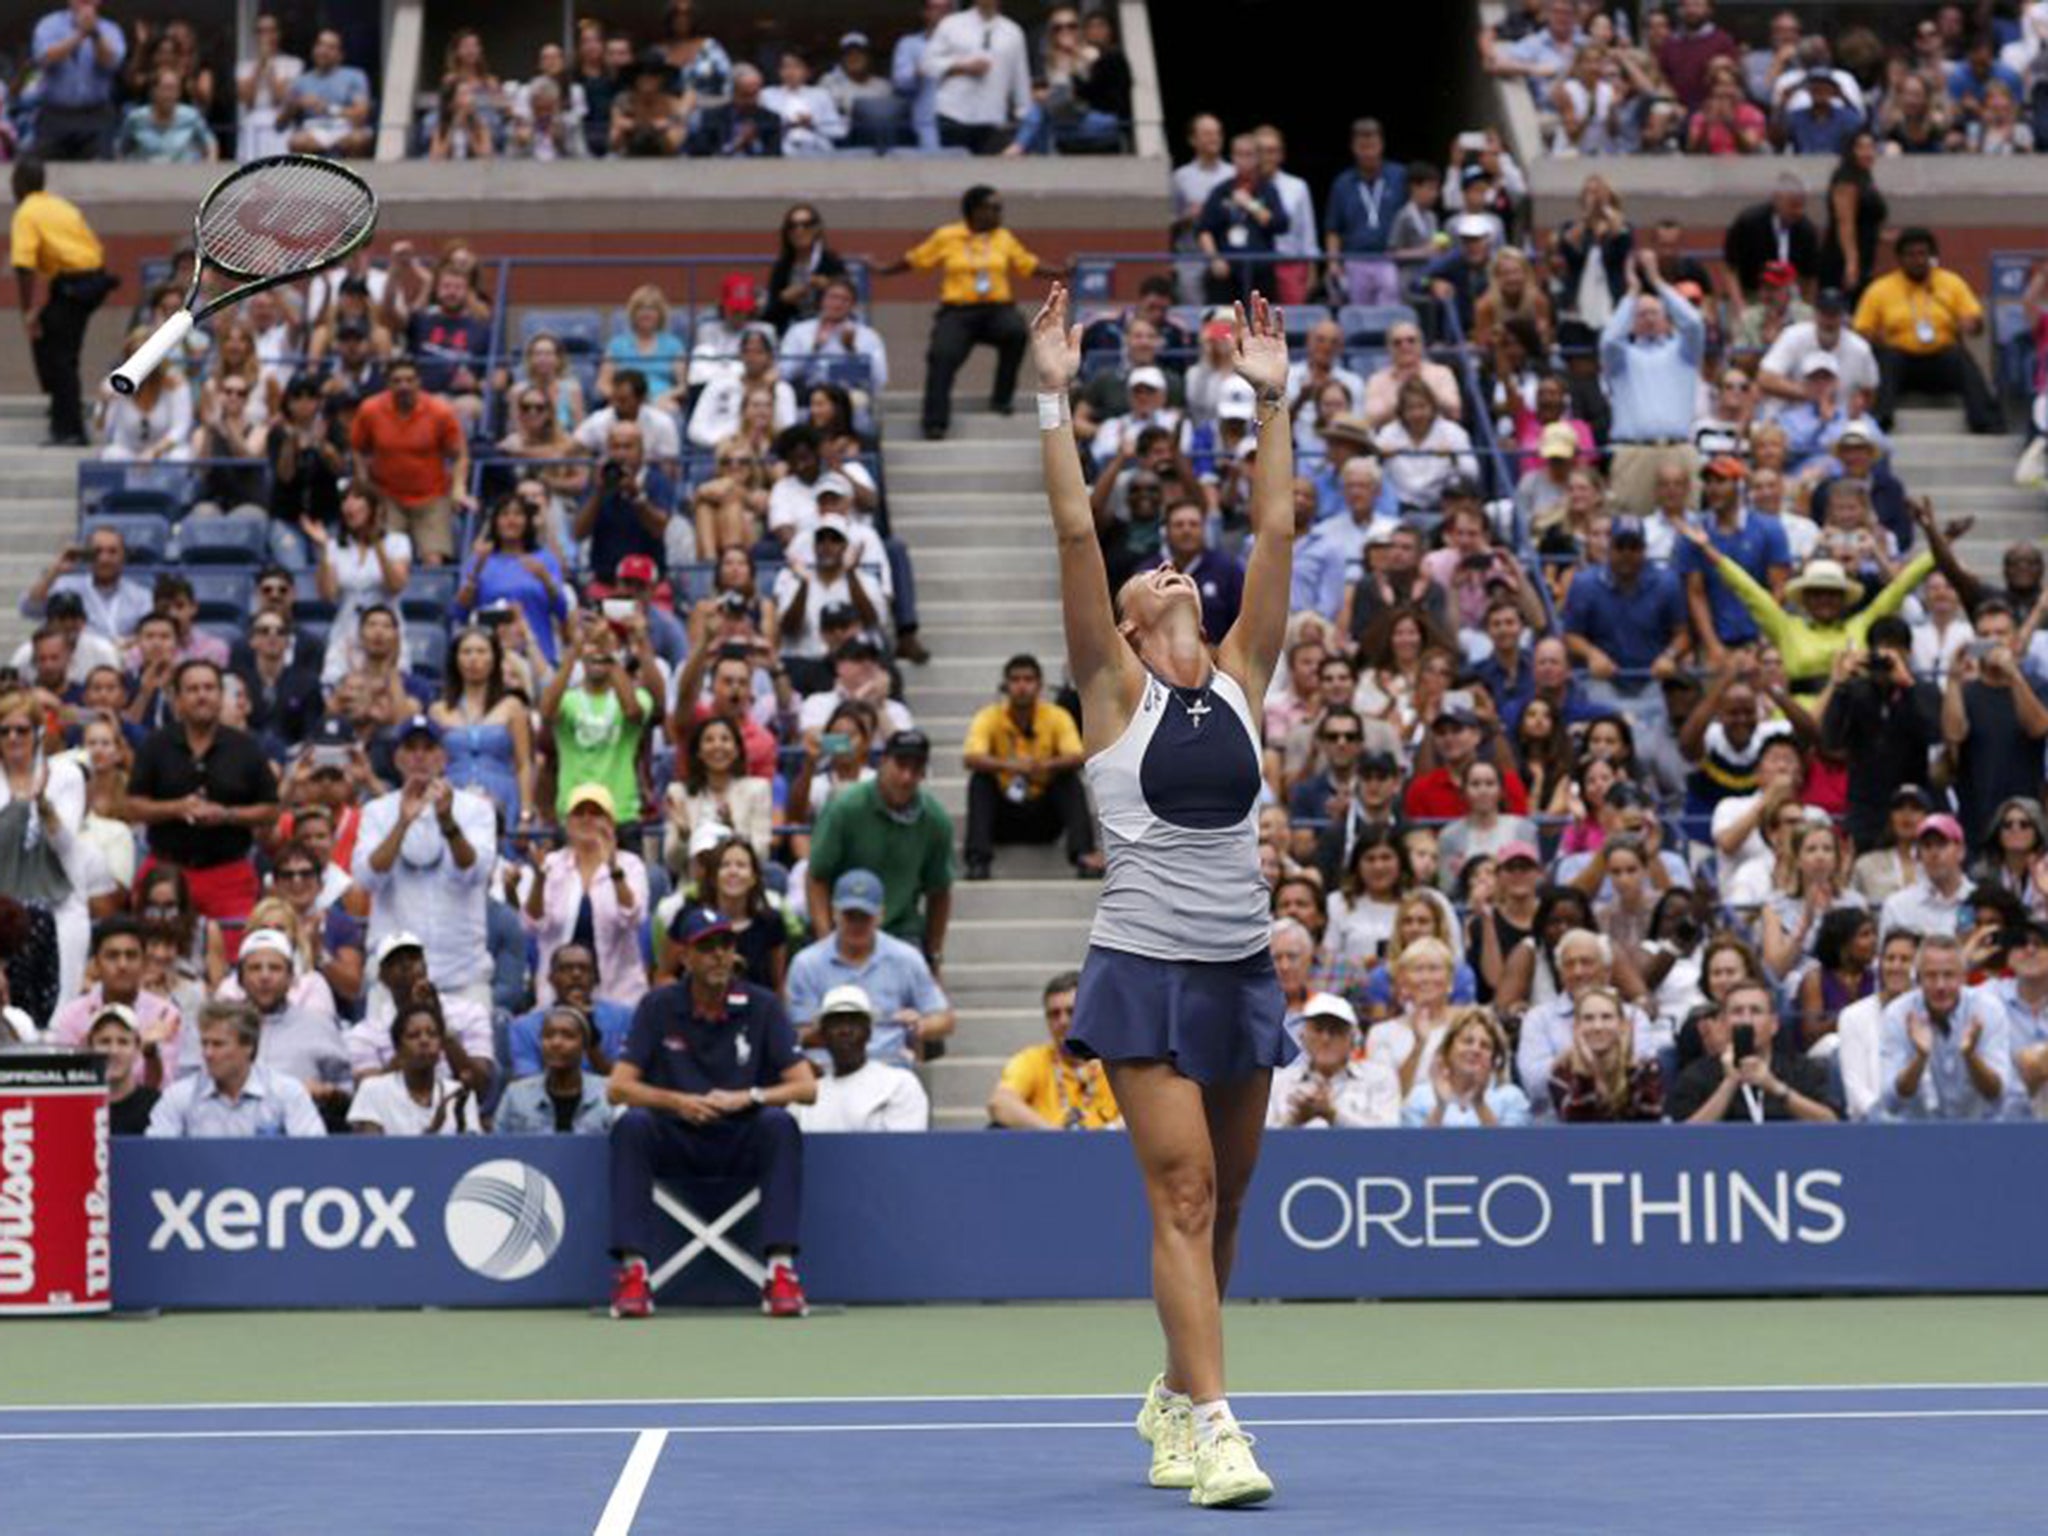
(285, 218)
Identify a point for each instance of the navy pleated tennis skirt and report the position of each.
(1216, 1021)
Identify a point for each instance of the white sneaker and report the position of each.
(1226, 1473)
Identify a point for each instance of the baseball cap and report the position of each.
(1472, 226)
(694, 923)
(1858, 429)
(1518, 853)
(265, 941)
(908, 744)
(1627, 530)
(1146, 378)
(1726, 466)
(392, 944)
(639, 568)
(1830, 301)
(832, 483)
(1461, 718)
(1820, 362)
(1328, 1005)
(857, 648)
(117, 1011)
(853, 40)
(1941, 825)
(1381, 530)
(1623, 794)
(352, 330)
(736, 292)
(1458, 488)
(1381, 763)
(418, 724)
(847, 998)
(831, 523)
(1779, 274)
(1470, 174)
(858, 890)
(707, 835)
(1914, 793)
(593, 794)
(1345, 429)
(1217, 327)
(1558, 441)
(838, 615)
(1236, 401)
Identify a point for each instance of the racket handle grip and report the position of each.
(128, 378)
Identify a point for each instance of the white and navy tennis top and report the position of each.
(1178, 797)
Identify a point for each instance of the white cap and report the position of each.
(393, 943)
(1821, 362)
(1328, 1005)
(847, 998)
(832, 522)
(1146, 378)
(832, 483)
(707, 835)
(1472, 226)
(1236, 400)
(266, 940)
(1381, 530)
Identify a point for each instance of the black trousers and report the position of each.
(957, 329)
(1949, 372)
(75, 133)
(976, 138)
(994, 818)
(73, 296)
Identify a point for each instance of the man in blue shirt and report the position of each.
(706, 1077)
(330, 104)
(1507, 672)
(1216, 574)
(910, 80)
(1826, 124)
(572, 981)
(1755, 543)
(1650, 353)
(1942, 1048)
(910, 1007)
(1626, 616)
(79, 53)
(1359, 217)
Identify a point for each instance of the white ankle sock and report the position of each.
(1212, 1418)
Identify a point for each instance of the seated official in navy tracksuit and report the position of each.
(705, 1077)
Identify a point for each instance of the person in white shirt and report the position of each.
(982, 64)
(1299, 238)
(1943, 1049)
(1325, 1086)
(399, 966)
(860, 1095)
(1148, 394)
(1934, 903)
(1192, 184)
(1746, 828)
(426, 853)
(1322, 360)
(659, 434)
(857, 673)
(1854, 1043)
(812, 123)
(233, 1094)
(1781, 373)
(262, 86)
(836, 332)
(413, 1098)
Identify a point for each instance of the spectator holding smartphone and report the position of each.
(1738, 1080)
(598, 723)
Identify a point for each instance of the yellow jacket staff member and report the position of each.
(1045, 1089)
(977, 304)
(1916, 319)
(1024, 760)
(50, 239)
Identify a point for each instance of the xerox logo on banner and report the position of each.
(504, 1220)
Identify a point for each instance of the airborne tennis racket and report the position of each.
(265, 224)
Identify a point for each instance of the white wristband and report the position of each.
(1053, 411)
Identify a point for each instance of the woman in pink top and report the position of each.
(590, 893)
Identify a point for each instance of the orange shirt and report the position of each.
(408, 453)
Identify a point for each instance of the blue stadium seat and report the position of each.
(1367, 324)
(140, 499)
(949, 152)
(1301, 318)
(878, 123)
(224, 541)
(308, 606)
(147, 534)
(1365, 361)
(224, 597)
(429, 594)
(428, 644)
(1189, 317)
(578, 330)
(693, 581)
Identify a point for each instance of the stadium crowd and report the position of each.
(93, 86)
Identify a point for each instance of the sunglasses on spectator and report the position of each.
(267, 629)
(803, 221)
(1341, 736)
(17, 730)
(237, 390)
(1065, 26)
(298, 872)
(2012, 822)
(275, 589)
(533, 405)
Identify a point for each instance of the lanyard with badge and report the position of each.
(1923, 319)
(981, 256)
(1370, 196)
(1075, 1098)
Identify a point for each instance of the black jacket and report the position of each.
(1750, 242)
(1886, 734)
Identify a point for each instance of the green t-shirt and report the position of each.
(912, 856)
(597, 744)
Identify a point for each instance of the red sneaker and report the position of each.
(631, 1295)
(782, 1296)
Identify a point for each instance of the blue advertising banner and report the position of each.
(1662, 1210)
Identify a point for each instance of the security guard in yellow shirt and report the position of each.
(51, 240)
(977, 305)
(1916, 318)
(1024, 762)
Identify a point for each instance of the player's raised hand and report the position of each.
(1262, 346)
(1055, 344)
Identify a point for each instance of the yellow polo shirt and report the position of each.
(50, 237)
(1054, 1086)
(974, 269)
(1894, 308)
(994, 733)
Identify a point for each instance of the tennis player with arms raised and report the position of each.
(1178, 997)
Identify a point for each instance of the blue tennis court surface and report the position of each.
(1881, 1461)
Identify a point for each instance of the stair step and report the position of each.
(1056, 942)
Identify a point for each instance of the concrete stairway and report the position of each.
(972, 509)
(1967, 476)
(38, 507)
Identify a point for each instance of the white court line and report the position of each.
(624, 1504)
(1411, 1421)
(1021, 1397)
